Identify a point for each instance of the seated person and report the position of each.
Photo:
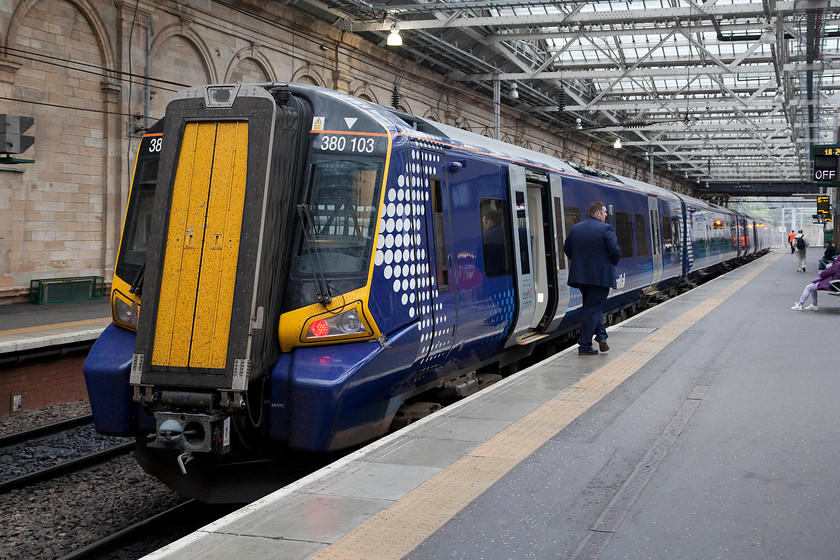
(828, 256)
(821, 282)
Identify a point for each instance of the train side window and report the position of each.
(571, 217)
(654, 228)
(522, 230)
(624, 233)
(494, 237)
(641, 235)
(558, 233)
(667, 237)
(676, 223)
(441, 260)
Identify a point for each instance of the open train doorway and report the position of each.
(535, 198)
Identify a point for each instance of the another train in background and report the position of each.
(303, 270)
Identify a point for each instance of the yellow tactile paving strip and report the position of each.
(42, 328)
(387, 536)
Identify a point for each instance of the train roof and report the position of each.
(414, 126)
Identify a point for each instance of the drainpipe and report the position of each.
(148, 94)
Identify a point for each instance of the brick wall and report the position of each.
(42, 384)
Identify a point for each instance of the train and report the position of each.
(300, 270)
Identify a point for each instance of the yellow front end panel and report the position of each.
(202, 247)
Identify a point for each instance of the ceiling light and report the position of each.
(617, 144)
(514, 92)
(394, 39)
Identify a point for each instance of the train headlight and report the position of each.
(349, 323)
(126, 311)
(220, 96)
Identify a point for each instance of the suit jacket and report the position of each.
(593, 248)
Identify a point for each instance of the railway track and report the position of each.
(38, 445)
(46, 430)
(151, 533)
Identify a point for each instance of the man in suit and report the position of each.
(593, 252)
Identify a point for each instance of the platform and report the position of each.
(709, 430)
(26, 326)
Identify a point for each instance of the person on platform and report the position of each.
(821, 282)
(593, 251)
(791, 237)
(801, 245)
(828, 256)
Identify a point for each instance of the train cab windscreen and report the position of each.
(138, 220)
(338, 221)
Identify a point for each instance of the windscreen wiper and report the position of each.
(137, 283)
(305, 214)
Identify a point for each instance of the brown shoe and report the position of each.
(602, 344)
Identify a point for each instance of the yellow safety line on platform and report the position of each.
(387, 536)
(24, 330)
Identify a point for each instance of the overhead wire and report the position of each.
(96, 69)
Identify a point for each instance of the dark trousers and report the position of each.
(592, 314)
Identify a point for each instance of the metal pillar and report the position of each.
(497, 108)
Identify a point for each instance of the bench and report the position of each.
(56, 290)
(836, 291)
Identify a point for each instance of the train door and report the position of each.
(542, 288)
(656, 242)
(522, 254)
(556, 211)
(438, 313)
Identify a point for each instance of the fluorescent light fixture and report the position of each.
(617, 144)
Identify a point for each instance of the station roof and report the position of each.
(718, 91)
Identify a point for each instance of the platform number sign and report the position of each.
(825, 163)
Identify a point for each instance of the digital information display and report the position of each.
(823, 206)
(826, 159)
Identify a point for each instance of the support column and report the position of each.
(111, 181)
(497, 108)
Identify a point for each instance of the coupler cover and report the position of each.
(200, 433)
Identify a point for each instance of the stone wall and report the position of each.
(78, 67)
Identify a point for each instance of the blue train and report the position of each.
(300, 270)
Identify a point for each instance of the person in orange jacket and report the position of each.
(790, 240)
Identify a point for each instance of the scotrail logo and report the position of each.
(619, 281)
